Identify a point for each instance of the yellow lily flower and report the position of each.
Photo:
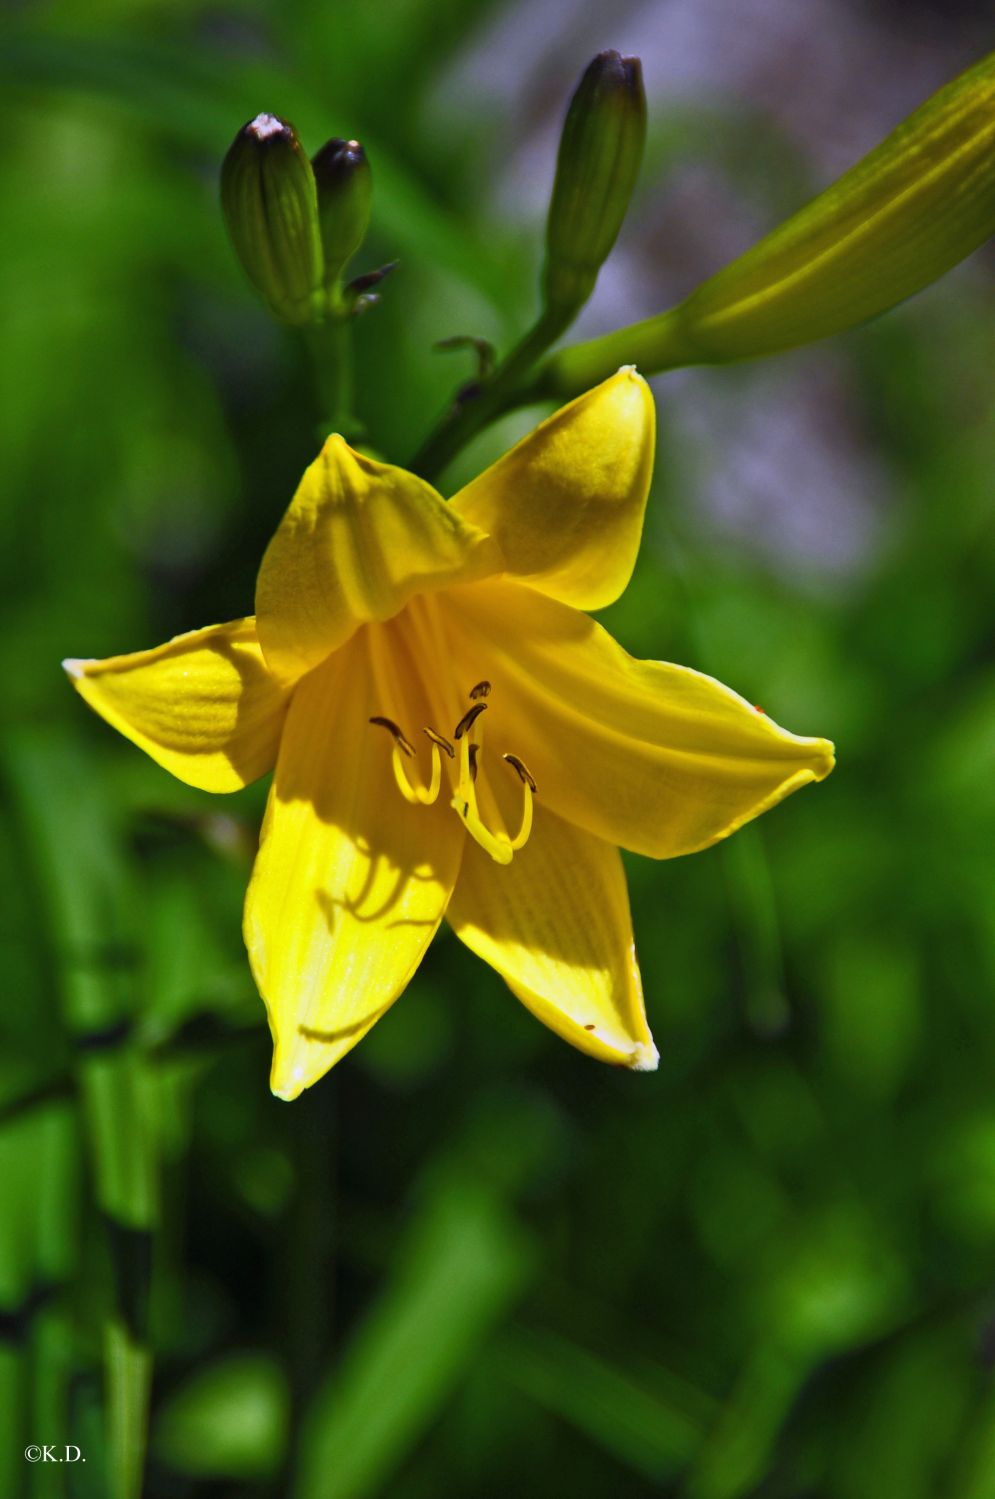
(393, 631)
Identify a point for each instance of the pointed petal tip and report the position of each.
(335, 449)
(286, 1095)
(75, 667)
(287, 1078)
(295, 1066)
(824, 756)
(632, 401)
(628, 374)
(628, 377)
(645, 1058)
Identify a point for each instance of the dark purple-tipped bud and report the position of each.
(600, 152)
(345, 188)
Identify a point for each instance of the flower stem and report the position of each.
(470, 415)
(658, 344)
(654, 345)
(330, 346)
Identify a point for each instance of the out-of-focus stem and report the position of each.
(71, 848)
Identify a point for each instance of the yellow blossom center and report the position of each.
(464, 751)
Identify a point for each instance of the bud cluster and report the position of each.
(295, 224)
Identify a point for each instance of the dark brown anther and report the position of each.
(468, 720)
(524, 774)
(393, 729)
(472, 753)
(482, 689)
(438, 739)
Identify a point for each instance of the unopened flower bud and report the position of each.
(600, 151)
(917, 204)
(345, 187)
(921, 201)
(270, 205)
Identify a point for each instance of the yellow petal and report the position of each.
(555, 925)
(360, 539)
(657, 758)
(203, 705)
(351, 881)
(566, 505)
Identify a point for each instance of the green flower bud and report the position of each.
(600, 151)
(270, 205)
(345, 188)
(920, 202)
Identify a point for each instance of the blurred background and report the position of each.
(471, 1261)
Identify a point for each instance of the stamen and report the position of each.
(524, 774)
(440, 740)
(469, 719)
(482, 689)
(417, 795)
(464, 803)
(500, 847)
(394, 729)
(528, 791)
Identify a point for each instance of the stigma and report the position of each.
(465, 751)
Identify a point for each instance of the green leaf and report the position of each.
(651, 1429)
(460, 1269)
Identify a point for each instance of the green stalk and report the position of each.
(50, 1341)
(655, 345)
(72, 849)
(465, 419)
(330, 347)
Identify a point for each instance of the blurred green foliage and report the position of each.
(471, 1261)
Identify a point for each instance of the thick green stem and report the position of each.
(468, 417)
(330, 347)
(655, 345)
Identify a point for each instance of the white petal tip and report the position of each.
(289, 1083)
(75, 668)
(286, 1090)
(645, 1058)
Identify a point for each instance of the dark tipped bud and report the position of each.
(270, 205)
(345, 187)
(600, 152)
